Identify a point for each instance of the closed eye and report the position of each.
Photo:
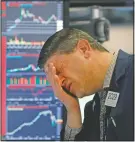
(62, 83)
(57, 72)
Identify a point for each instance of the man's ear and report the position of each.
(84, 47)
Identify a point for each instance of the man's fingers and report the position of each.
(57, 81)
(58, 91)
(50, 70)
(54, 70)
(51, 74)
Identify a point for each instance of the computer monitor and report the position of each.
(30, 110)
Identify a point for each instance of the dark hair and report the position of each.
(65, 41)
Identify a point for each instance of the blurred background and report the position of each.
(30, 111)
(121, 28)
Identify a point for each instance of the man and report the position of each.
(77, 66)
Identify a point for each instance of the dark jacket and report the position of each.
(122, 114)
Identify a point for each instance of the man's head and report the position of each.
(77, 58)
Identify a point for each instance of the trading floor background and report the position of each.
(29, 109)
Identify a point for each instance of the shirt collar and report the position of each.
(110, 70)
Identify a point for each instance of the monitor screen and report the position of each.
(30, 110)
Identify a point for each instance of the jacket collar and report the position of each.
(121, 65)
(119, 72)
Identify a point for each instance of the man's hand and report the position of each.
(70, 102)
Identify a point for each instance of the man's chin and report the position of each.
(83, 94)
(80, 95)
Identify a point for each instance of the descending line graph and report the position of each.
(29, 67)
(27, 14)
(45, 113)
(42, 121)
(27, 22)
(30, 19)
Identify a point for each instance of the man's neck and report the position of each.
(104, 61)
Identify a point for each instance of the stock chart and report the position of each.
(30, 110)
(42, 122)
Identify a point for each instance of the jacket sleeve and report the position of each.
(90, 129)
(81, 135)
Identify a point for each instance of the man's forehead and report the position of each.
(56, 60)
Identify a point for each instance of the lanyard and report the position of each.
(112, 87)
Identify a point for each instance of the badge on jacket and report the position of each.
(112, 98)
